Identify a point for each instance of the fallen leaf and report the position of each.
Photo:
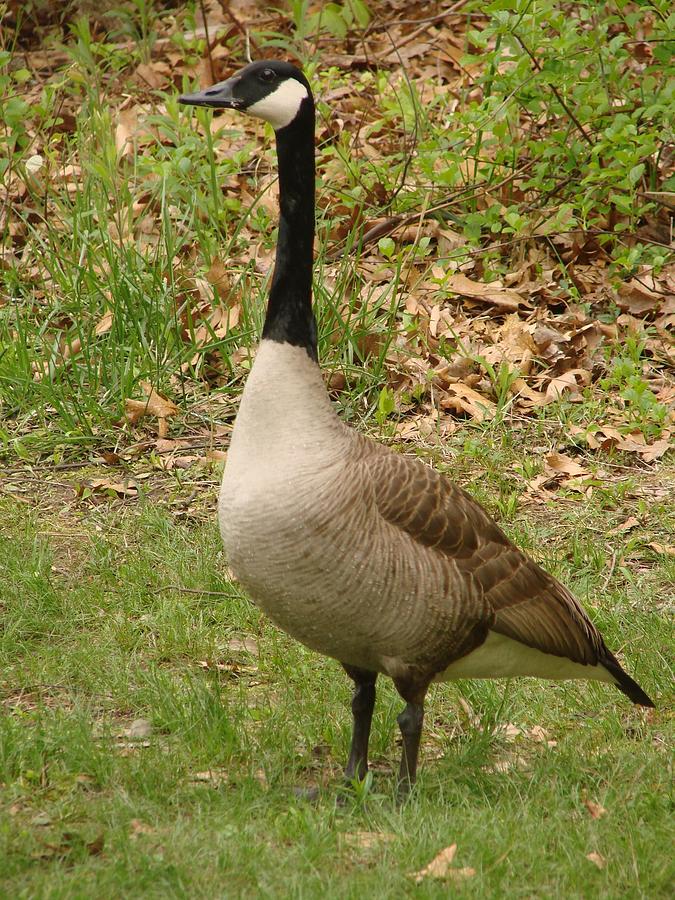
(139, 729)
(126, 126)
(136, 827)
(154, 405)
(211, 776)
(523, 392)
(104, 324)
(655, 450)
(460, 398)
(666, 549)
(220, 277)
(121, 488)
(541, 736)
(630, 523)
(96, 846)
(216, 455)
(154, 76)
(493, 293)
(246, 645)
(595, 809)
(563, 384)
(509, 731)
(507, 764)
(41, 820)
(638, 299)
(559, 463)
(438, 866)
(459, 874)
(85, 780)
(597, 859)
(441, 867)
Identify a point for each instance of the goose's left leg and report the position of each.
(410, 722)
(363, 702)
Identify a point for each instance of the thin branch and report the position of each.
(422, 22)
(250, 42)
(208, 42)
(555, 91)
(184, 590)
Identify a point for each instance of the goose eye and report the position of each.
(268, 75)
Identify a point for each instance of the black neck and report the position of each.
(289, 316)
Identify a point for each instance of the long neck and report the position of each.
(289, 316)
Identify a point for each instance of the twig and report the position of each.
(184, 590)
(665, 198)
(428, 21)
(409, 150)
(608, 577)
(250, 42)
(208, 41)
(555, 91)
(396, 222)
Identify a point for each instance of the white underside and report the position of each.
(502, 657)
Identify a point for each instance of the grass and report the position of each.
(116, 611)
(155, 724)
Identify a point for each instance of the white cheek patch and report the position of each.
(281, 106)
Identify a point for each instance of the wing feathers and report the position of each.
(529, 605)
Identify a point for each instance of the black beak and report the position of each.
(219, 96)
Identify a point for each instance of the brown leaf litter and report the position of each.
(154, 405)
(441, 867)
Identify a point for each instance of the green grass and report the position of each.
(132, 229)
(114, 612)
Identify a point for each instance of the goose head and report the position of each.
(275, 91)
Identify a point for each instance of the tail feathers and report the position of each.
(626, 684)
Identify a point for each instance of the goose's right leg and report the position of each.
(363, 702)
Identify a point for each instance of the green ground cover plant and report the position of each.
(494, 290)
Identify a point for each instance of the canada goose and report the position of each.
(360, 553)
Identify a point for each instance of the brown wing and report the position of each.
(529, 605)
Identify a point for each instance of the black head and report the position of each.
(269, 89)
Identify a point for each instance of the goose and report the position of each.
(359, 552)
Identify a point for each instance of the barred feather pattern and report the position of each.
(375, 559)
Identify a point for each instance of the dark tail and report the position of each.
(625, 683)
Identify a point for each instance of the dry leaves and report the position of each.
(154, 405)
(639, 298)
(596, 810)
(456, 327)
(127, 123)
(628, 525)
(126, 488)
(462, 399)
(213, 777)
(247, 645)
(492, 293)
(137, 827)
(559, 464)
(441, 867)
(139, 729)
(597, 859)
(606, 438)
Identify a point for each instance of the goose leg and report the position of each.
(410, 722)
(363, 702)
